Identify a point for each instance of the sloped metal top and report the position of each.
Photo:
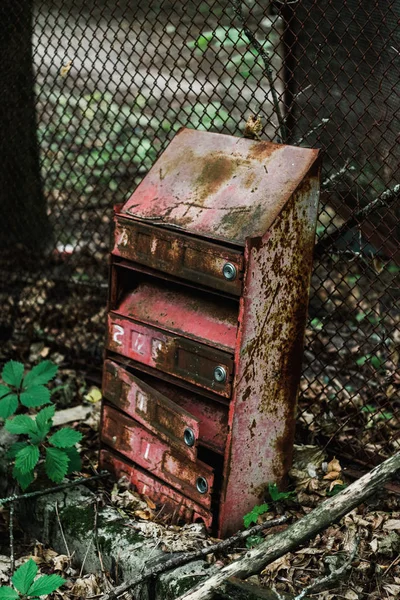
(219, 186)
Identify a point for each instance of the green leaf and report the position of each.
(7, 593)
(24, 480)
(276, 495)
(15, 448)
(8, 405)
(35, 395)
(75, 463)
(65, 438)
(27, 459)
(47, 584)
(362, 360)
(4, 390)
(57, 462)
(254, 540)
(44, 420)
(253, 515)
(42, 373)
(13, 372)
(24, 576)
(336, 489)
(21, 424)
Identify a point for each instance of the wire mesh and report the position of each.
(113, 82)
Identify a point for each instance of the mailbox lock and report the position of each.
(229, 271)
(201, 485)
(220, 374)
(188, 436)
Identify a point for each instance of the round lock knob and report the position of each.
(220, 374)
(202, 485)
(229, 271)
(188, 436)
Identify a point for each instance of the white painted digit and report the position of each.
(118, 334)
(138, 341)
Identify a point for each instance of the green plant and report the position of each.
(26, 586)
(57, 452)
(276, 495)
(254, 540)
(253, 515)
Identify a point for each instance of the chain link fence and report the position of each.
(113, 82)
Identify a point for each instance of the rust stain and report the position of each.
(262, 150)
(216, 170)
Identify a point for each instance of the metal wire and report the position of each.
(115, 81)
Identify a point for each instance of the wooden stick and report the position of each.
(183, 559)
(279, 544)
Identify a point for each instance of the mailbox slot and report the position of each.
(196, 260)
(146, 449)
(170, 500)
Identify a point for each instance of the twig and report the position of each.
(237, 5)
(335, 176)
(385, 199)
(11, 527)
(57, 488)
(62, 531)
(85, 557)
(180, 560)
(322, 583)
(96, 540)
(317, 520)
(313, 130)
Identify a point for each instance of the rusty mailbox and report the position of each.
(210, 274)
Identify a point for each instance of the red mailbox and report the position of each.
(209, 284)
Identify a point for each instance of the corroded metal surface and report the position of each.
(169, 500)
(268, 358)
(219, 186)
(155, 411)
(189, 313)
(180, 255)
(178, 356)
(156, 456)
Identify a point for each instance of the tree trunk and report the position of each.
(23, 208)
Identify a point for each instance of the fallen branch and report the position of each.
(237, 4)
(183, 559)
(383, 200)
(277, 545)
(57, 488)
(320, 584)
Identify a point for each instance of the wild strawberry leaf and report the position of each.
(35, 395)
(21, 424)
(4, 390)
(15, 448)
(8, 405)
(75, 463)
(27, 459)
(65, 438)
(44, 420)
(56, 464)
(47, 584)
(253, 515)
(24, 480)
(24, 576)
(7, 593)
(13, 372)
(42, 373)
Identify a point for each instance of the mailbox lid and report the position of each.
(139, 445)
(180, 255)
(175, 355)
(191, 314)
(219, 186)
(150, 408)
(170, 500)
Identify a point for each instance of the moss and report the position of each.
(116, 527)
(78, 520)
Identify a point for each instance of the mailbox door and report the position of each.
(201, 262)
(139, 445)
(150, 408)
(169, 499)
